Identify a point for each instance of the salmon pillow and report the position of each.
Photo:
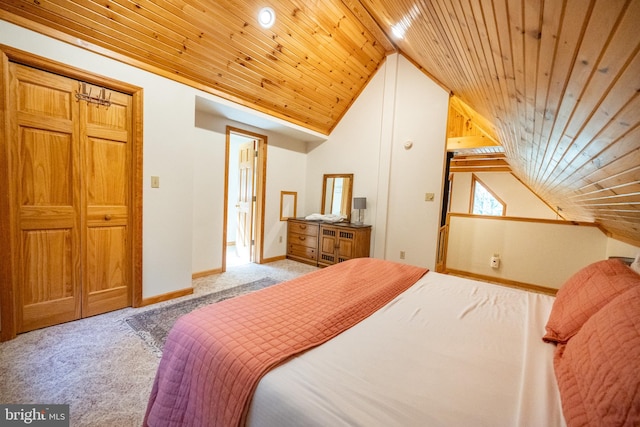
(586, 292)
(598, 371)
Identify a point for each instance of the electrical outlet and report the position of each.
(495, 261)
(401, 254)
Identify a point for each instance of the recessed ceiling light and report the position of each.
(266, 17)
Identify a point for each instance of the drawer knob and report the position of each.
(107, 217)
(304, 227)
(302, 237)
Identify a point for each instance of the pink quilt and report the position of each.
(214, 357)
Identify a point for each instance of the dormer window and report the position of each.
(484, 201)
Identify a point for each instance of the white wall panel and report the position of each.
(537, 253)
(421, 108)
(399, 103)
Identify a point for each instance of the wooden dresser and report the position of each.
(302, 240)
(324, 243)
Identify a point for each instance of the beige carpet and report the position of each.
(98, 365)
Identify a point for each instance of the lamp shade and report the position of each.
(359, 202)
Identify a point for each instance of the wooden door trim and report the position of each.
(260, 190)
(7, 221)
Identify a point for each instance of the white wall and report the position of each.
(182, 220)
(286, 171)
(207, 203)
(532, 251)
(618, 248)
(352, 147)
(520, 201)
(543, 254)
(421, 109)
(400, 103)
(168, 149)
(286, 168)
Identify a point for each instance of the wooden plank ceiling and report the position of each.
(555, 82)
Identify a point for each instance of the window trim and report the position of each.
(474, 179)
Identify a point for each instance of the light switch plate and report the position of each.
(428, 197)
(155, 182)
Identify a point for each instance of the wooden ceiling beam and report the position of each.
(467, 142)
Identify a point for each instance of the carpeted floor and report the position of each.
(98, 365)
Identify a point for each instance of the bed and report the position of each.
(438, 351)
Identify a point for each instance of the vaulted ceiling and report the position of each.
(556, 82)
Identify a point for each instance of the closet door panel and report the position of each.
(48, 294)
(106, 269)
(46, 197)
(107, 151)
(106, 173)
(44, 94)
(46, 174)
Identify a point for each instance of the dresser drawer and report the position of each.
(301, 228)
(309, 253)
(309, 241)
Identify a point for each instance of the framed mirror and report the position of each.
(336, 194)
(288, 204)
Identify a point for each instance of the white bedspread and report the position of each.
(447, 352)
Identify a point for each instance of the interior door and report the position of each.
(106, 141)
(45, 197)
(246, 165)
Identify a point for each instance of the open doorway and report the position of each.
(244, 197)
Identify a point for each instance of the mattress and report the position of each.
(447, 352)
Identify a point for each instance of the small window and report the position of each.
(484, 201)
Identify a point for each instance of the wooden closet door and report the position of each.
(70, 169)
(106, 141)
(45, 197)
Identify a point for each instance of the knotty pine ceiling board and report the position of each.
(308, 68)
(558, 81)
